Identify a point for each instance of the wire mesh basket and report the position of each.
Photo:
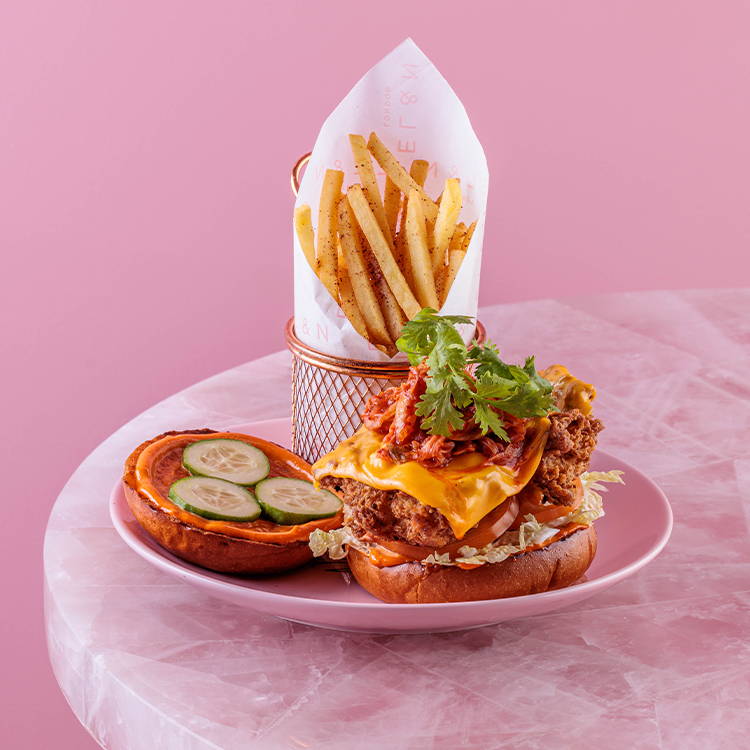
(329, 393)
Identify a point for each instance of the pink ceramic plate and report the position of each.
(636, 527)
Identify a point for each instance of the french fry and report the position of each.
(382, 252)
(305, 234)
(419, 253)
(392, 205)
(469, 235)
(362, 289)
(401, 254)
(418, 171)
(392, 314)
(340, 259)
(455, 259)
(445, 225)
(447, 274)
(348, 303)
(398, 174)
(394, 318)
(363, 162)
(326, 255)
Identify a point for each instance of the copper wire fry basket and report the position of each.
(329, 392)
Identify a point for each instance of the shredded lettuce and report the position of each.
(332, 542)
(529, 533)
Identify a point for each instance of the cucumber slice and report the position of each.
(214, 498)
(289, 501)
(222, 458)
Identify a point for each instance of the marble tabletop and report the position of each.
(661, 660)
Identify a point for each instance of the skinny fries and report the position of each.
(398, 174)
(419, 254)
(304, 229)
(364, 294)
(383, 256)
(382, 252)
(445, 225)
(391, 204)
(363, 163)
(418, 172)
(326, 255)
(447, 274)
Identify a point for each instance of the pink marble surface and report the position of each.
(658, 661)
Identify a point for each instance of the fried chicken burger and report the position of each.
(470, 479)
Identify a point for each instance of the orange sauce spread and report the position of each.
(160, 464)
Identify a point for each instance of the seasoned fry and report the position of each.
(363, 291)
(469, 234)
(348, 302)
(305, 234)
(392, 314)
(418, 171)
(392, 205)
(398, 174)
(340, 259)
(455, 259)
(382, 252)
(326, 255)
(445, 225)
(401, 254)
(394, 318)
(419, 254)
(447, 274)
(363, 163)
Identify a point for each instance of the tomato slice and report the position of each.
(531, 502)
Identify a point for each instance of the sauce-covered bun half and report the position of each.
(250, 547)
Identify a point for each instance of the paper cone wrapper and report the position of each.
(414, 111)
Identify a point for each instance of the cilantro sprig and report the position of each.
(494, 386)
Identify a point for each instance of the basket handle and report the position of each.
(297, 169)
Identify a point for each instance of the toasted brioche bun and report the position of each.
(552, 567)
(216, 551)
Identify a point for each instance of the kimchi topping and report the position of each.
(393, 414)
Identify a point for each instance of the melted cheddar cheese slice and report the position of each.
(570, 392)
(465, 491)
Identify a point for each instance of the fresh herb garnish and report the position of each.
(494, 386)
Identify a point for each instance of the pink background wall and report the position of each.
(144, 158)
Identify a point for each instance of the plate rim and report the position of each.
(214, 579)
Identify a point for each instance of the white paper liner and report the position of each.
(414, 111)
